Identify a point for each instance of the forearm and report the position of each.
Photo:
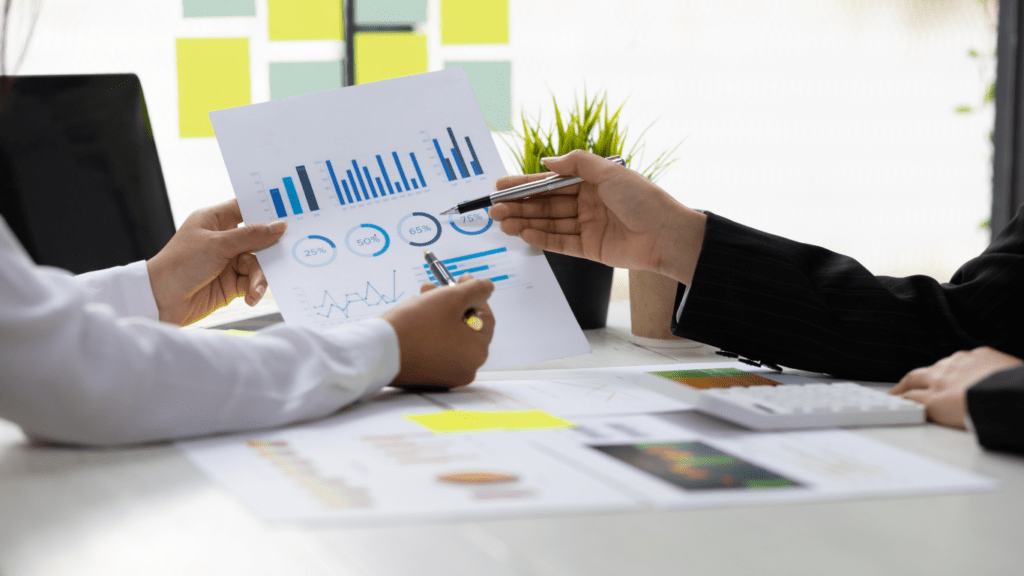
(113, 381)
(126, 289)
(805, 307)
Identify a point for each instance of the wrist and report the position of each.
(680, 244)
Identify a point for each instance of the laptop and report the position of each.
(82, 187)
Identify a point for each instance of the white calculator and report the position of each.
(787, 401)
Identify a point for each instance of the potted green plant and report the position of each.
(592, 126)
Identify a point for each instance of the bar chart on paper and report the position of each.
(344, 181)
(361, 175)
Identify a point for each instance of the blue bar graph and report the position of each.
(366, 195)
(476, 161)
(369, 182)
(355, 189)
(444, 162)
(293, 196)
(348, 193)
(498, 278)
(384, 171)
(275, 195)
(415, 186)
(400, 171)
(307, 188)
(418, 171)
(381, 186)
(334, 179)
(457, 152)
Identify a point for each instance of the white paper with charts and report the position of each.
(360, 174)
(371, 465)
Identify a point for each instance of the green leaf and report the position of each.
(963, 109)
(990, 94)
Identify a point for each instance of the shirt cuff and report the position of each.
(126, 289)
(373, 338)
(682, 302)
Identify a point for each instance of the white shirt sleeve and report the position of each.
(126, 289)
(75, 370)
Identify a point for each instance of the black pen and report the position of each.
(522, 191)
(445, 278)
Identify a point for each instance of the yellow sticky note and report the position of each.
(474, 21)
(242, 333)
(470, 421)
(304, 20)
(380, 56)
(213, 73)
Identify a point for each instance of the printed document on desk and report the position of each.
(360, 174)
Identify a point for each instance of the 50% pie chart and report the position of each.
(314, 251)
(367, 240)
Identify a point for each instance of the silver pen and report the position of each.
(522, 191)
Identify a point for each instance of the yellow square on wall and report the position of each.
(380, 56)
(474, 21)
(304, 19)
(213, 74)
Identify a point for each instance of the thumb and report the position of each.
(590, 167)
(252, 237)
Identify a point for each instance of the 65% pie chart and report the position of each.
(314, 251)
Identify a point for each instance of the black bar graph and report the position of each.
(307, 188)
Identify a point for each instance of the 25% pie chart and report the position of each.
(314, 251)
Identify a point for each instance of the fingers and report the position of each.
(427, 287)
(915, 379)
(257, 284)
(252, 237)
(510, 181)
(227, 214)
(571, 245)
(919, 396)
(542, 207)
(586, 165)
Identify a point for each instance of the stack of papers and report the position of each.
(602, 441)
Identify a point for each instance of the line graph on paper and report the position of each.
(339, 304)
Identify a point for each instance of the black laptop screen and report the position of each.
(80, 180)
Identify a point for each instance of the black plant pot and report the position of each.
(587, 286)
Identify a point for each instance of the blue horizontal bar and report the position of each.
(471, 256)
(499, 278)
(471, 270)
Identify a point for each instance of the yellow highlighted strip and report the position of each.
(381, 56)
(470, 421)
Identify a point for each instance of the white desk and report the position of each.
(148, 511)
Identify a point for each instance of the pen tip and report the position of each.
(426, 252)
(449, 211)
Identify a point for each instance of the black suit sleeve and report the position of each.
(802, 306)
(996, 406)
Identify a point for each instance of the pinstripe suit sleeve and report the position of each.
(802, 306)
(996, 405)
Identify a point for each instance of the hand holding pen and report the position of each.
(445, 278)
(530, 187)
(437, 347)
(615, 216)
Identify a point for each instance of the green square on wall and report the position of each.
(391, 11)
(492, 83)
(214, 8)
(298, 78)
